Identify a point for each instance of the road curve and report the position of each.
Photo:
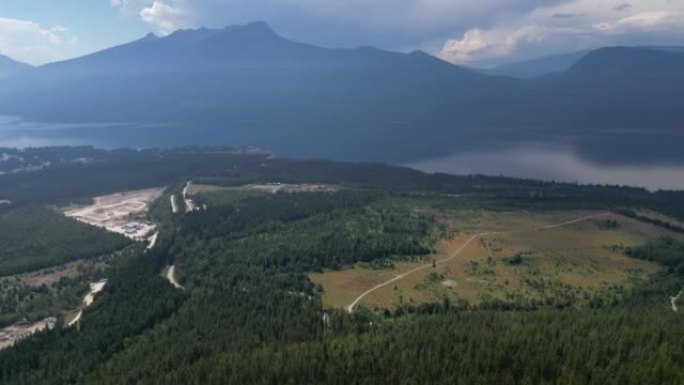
(673, 301)
(350, 308)
(171, 276)
(174, 207)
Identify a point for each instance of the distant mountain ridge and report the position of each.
(530, 69)
(620, 62)
(9, 66)
(247, 85)
(555, 64)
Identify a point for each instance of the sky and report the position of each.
(469, 32)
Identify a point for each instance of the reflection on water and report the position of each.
(559, 163)
(654, 161)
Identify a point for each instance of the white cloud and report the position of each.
(646, 21)
(31, 43)
(332, 22)
(584, 24)
(478, 45)
(479, 32)
(165, 18)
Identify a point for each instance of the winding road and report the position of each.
(95, 288)
(456, 253)
(673, 300)
(189, 204)
(174, 207)
(171, 276)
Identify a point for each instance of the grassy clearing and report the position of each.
(518, 265)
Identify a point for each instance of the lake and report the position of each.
(555, 162)
(643, 159)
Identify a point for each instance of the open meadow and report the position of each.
(514, 257)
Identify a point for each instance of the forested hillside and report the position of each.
(249, 314)
(35, 237)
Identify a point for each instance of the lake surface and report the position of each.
(554, 162)
(643, 159)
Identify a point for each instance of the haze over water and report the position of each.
(550, 162)
(635, 162)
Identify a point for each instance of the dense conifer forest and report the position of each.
(36, 237)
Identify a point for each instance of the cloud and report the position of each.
(31, 43)
(481, 32)
(622, 7)
(542, 32)
(388, 23)
(646, 21)
(478, 45)
(165, 18)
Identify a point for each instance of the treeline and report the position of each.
(105, 172)
(306, 231)
(654, 221)
(76, 173)
(134, 300)
(20, 301)
(665, 251)
(35, 237)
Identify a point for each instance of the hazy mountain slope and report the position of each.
(246, 85)
(621, 62)
(259, 88)
(617, 88)
(530, 69)
(10, 66)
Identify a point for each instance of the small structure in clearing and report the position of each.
(122, 213)
(293, 188)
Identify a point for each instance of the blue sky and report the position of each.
(82, 26)
(480, 33)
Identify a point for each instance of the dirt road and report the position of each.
(189, 204)
(95, 288)
(470, 240)
(174, 206)
(152, 241)
(673, 300)
(171, 276)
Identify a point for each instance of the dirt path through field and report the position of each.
(456, 253)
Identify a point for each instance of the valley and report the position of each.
(341, 192)
(306, 263)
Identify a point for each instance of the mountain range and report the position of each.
(534, 68)
(248, 85)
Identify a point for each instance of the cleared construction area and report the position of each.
(12, 334)
(122, 213)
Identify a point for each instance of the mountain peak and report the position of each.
(255, 26)
(253, 29)
(249, 32)
(150, 36)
